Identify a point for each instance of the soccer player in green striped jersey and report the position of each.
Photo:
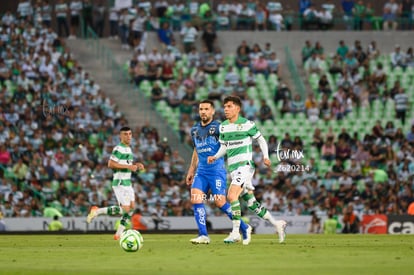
(236, 137)
(121, 161)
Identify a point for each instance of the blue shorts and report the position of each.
(215, 182)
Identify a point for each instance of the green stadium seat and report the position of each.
(314, 152)
(314, 81)
(185, 70)
(8, 174)
(219, 78)
(164, 110)
(201, 93)
(274, 159)
(266, 95)
(301, 117)
(324, 66)
(288, 117)
(252, 92)
(361, 185)
(184, 59)
(179, 64)
(145, 85)
(267, 132)
(160, 105)
(55, 185)
(260, 80)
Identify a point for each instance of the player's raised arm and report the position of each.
(192, 168)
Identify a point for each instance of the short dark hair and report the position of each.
(207, 101)
(125, 129)
(235, 99)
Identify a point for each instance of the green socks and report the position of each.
(254, 205)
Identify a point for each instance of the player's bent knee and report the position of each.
(233, 194)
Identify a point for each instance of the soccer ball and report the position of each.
(131, 240)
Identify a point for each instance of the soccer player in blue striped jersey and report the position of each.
(236, 138)
(121, 161)
(204, 177)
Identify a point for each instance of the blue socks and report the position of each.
(200, 217)
(226, 208)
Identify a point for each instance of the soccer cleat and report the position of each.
(281, 230)
(119, 232)
(233, 238)
(247, 235)
(92, 214)
(200, 240)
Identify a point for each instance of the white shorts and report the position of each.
(242, 177)
(124, 194)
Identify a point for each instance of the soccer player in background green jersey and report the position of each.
(236, 137)
(121, 162)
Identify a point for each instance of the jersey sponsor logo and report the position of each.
(233, 143)
(204, 150)
(202, 216)
(206, 141)
(203, 138)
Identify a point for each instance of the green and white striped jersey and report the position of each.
(122, 154)
(238, 138)
(61, 10)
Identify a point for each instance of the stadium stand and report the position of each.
(352, 123)
(58, 129)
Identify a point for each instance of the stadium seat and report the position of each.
(314, 81)
(201, 93)
(145, 85)
(229, 60)
(252, 92)
(219, 78)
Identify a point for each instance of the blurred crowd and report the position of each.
(58, 129)
(355, 77)
(69, 15)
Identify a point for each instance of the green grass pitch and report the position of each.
(174, 254)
